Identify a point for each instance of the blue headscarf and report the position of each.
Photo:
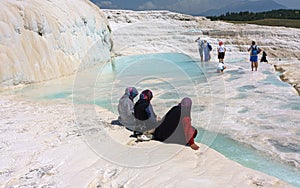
(131, 92)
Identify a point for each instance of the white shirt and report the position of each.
(221, 66)
(221, 48)
(200, 43)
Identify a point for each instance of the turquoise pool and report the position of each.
(171, 76)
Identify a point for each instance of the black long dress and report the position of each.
(264, 57)
(170, 129)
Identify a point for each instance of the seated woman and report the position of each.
(125, 108)
(144, 114)
(176, 126)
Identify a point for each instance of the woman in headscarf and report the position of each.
(207, 48)
(125, 108)
(144, 114)
(176, 125)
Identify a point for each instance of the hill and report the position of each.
(251, 6)
(193, 7)
(250, 16)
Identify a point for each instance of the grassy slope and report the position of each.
(273, 22)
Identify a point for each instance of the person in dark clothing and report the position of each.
(176, 127)
(264, 57)
(146, 119)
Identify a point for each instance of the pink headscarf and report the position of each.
(186, 106)
(147, 95)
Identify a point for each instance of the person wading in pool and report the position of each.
(254, 51)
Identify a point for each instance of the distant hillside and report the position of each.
(250, 16)
(273, 22)
(194, 7)
(251, 6)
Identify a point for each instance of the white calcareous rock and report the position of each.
(42, 40)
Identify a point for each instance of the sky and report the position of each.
(291, 4)
(199, 7)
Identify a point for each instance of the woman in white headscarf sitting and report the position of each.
(125, 108)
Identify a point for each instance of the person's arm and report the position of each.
(189, 132)
(151, 114)
(249, 48)
(130, 108)
(258, 50)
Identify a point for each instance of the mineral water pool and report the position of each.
(173, 76)
(250, 157)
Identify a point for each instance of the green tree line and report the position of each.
(250, 16)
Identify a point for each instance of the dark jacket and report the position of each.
(140, 112)
(146, 118)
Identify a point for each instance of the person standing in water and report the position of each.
(200, 47)
(207, 49)
(254, 51)
(221, 52)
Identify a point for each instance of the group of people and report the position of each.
(204, 48)
(175, 126)
(221, 55)
(140, 118)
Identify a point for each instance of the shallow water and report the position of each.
(250, 157)
(250, 107)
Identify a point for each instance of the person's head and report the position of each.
(147, 95)
(253, 42)
(220, 43)
(204, 41)
(131, 92)
(186, 106)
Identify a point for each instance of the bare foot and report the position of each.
(194, 146)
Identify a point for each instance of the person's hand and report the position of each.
(194, 146)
